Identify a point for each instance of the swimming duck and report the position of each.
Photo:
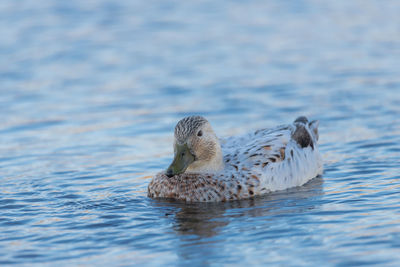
(206, 169)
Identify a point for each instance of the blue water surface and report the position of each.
(90, 92)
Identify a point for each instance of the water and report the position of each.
(91, 91)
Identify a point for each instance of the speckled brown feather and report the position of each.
(204, 188)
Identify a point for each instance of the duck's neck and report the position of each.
(212, 165)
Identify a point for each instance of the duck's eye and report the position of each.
(200, 133)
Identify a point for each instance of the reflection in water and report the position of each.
(205, 219)
(200, 223)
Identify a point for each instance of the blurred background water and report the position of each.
(90, 92)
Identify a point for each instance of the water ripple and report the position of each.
(90, 94)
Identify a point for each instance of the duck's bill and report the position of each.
(183, 158)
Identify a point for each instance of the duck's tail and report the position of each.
(301, 135)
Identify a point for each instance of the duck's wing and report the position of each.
(276, 158)
(257, 148)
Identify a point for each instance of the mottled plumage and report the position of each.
(253, 164)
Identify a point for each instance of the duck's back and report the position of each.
(256, 163)
(280, 158)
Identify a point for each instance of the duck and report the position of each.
(206, 168)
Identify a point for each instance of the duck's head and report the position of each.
(196, 148)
